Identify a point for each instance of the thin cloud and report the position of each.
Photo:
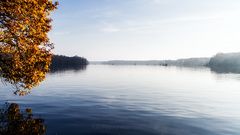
(110, 29)
(61, 33)
(152, 25)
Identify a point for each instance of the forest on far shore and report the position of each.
(221, 62)
(61, 63)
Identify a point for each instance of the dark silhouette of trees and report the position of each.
(13, 121)
(60, 63)
(225, 63)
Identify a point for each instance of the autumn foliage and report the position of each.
(25, 49)
(14, 121)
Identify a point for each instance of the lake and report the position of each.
(135, 100)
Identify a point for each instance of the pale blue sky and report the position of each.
(146, 29)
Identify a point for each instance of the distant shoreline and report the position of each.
(221, 62)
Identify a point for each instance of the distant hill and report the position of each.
(225, 63)
(221, 62)
(60, 62)
(191, 62)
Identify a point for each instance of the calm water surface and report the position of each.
(135, 100)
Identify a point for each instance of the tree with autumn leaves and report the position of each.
(14, 121)
(25, 49)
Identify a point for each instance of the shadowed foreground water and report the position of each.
(135, 100)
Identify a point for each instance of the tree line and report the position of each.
(61, 63)
(225, 63)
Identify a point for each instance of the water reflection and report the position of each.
(224, 70)
(136, 100)
(13, 121)
(60, 69)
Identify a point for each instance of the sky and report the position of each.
(145, 29)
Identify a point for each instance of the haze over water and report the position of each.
(136, 100)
